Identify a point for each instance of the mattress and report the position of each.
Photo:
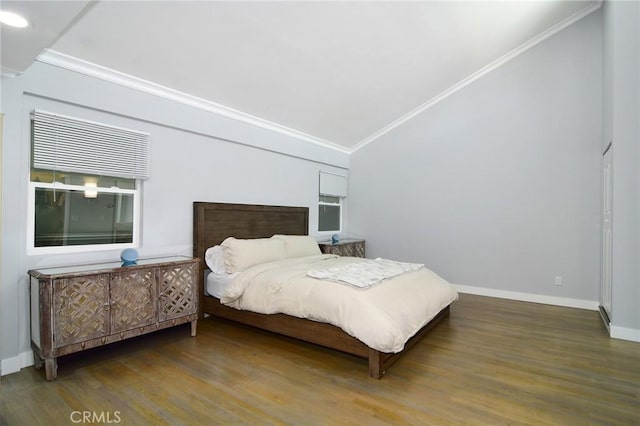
(216, 284)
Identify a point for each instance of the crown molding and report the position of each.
(8, 72)
(81, 66)
(90, 69)
(592, 7)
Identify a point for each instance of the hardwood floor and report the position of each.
(492, 362)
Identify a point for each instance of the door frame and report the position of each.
(606, 243)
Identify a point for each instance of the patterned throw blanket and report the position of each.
(365, 273)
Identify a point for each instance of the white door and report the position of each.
(607, 190)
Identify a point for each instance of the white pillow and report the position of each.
(299, 245)
(214, 258)
(241, 254)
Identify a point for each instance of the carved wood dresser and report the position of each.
(80, 307)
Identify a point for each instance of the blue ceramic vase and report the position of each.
(129, 256)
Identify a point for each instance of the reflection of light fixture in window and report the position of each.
(88, 193)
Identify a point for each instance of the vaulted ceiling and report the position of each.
(333, 72)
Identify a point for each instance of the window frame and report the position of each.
(64, 249)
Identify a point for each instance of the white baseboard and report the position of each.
(623, 333)
(14, 364)
(591, 305)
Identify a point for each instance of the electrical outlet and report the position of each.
(558, 281)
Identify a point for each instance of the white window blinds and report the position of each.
(80, 146)
(333, 184)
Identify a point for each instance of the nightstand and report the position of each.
(351, 248)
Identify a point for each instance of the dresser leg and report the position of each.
(194, 325)
(37, 361)
(51, 369)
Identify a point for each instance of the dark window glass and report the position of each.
(68, 218)
(329, 218)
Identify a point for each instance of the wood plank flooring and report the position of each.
(492, 362)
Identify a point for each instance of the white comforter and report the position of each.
(384, 317)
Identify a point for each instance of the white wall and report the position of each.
(196, 156)
(497, 186)
(621, 126)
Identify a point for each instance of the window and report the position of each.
(77, 210)
(330, 214)
(84, 189)
(333, 188)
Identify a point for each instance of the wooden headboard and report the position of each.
(213, 222)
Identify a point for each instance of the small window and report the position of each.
(330, 214)
(332, 191)
(84, 185)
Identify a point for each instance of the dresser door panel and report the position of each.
(80, 309)
(133, 299)
(178, 294)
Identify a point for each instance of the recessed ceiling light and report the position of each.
(13, 19)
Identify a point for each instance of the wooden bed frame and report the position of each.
(213, 222)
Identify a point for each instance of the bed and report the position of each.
(215, 222)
